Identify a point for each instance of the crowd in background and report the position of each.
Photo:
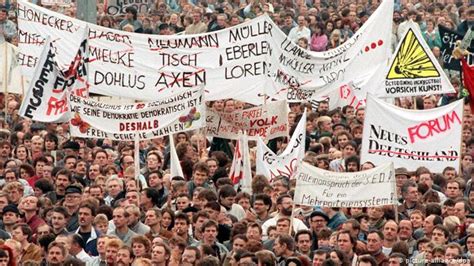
(72, 201)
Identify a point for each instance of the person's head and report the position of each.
(254, 232)
(283, 225)
(409, 192)
(120, 217)
(374, 241)
(285, 204)
(346, 241)
(57, 253)
(21, 233)
(181, 224)
(227, 195)
(131, 13)
(283, 244)
(200, 173)
(303, 239)
(112, 247)
(190, 256)
(141, 246)
(59, 218)
(209, 231)
(160, 254)
(405, 230)
(114, 186)
(390, 230)
(366, 260)
(453, 189)
(319, 256)
(124, 256)
(440, 234)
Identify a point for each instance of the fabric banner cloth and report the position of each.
(178, 113)
(370, 188)
(251, 62)
(46, 97)
(240, 171)
(271, 165)
(413, 70)
(412, 138)
(266, 121)
(10, 71)
(448, 43)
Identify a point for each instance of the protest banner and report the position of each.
(240, 171)
(370, 188)
(180, 112)
(412, 138)
(413, 70)
(10, 72)
(271, 165)
(249, 62)
(448, 43)
(344, 95)
(266, 121)
(46, 98)
(117, 7)
(175, 167)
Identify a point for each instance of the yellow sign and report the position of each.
(411, 60)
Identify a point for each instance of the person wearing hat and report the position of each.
(72, 200)
(401, 176)
(131, 19)
(317, 220)
(10, 217)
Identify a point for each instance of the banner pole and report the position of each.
(137, 156)
(5, 79)
(460, 148)
(414, 103)
(291, 218)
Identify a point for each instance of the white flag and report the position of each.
(240, 171)
(175, 167)
(271, 165)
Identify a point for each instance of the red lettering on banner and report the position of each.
(59, 106)
(288, 171)
(434, 126)
(264, 122)
(346, 93)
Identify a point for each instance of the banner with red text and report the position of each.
(46, 98)
(412, 138)
(266, 121)
(180, 112)
(252, 62)
(318, 187)
(271, 165)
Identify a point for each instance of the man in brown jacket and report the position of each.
(22, 233)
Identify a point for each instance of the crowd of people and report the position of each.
(72, 201)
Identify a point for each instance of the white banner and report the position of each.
(271, 165)
(412, 138)
(413, 70)
(266, 121)
(178, 113)
(175, 166)
(10, 71)
(249, 62)
(318, 187)
(46, 98)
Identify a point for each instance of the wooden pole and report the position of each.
(5, 78)
(291, 218)
(137, 156)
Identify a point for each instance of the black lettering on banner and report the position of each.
(38, 88)
(124, 58)
(241, 33)
(333, 76)
(383, 134)
(333, 63)
(287, 79)
(27, 60)
(178, 60)
(204, 41)
(124, 80)
(45, 19)
(110, 36)
(305, 68)
(181, 79)
(246, 70)
(248, 50)
(295, 50)
(25, 37)
(118, 6)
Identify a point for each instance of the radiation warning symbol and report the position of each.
(412, 61)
